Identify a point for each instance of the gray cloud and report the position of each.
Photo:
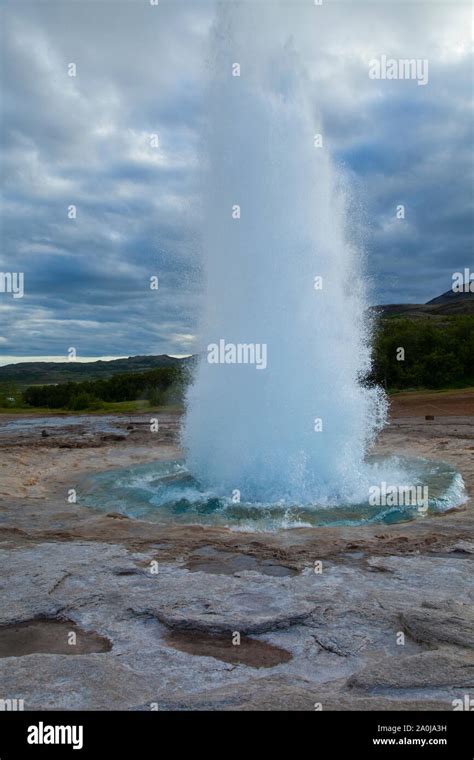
(141, 70)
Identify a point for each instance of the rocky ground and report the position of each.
(103, 612)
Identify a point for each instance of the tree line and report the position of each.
(158, 386)
(436, 354)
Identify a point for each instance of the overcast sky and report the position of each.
(141, 70)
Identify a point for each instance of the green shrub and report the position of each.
(84, 400)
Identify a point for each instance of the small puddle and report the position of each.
(256, 654)
(49, 637)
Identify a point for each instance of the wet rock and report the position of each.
(279, 692)
(430, 669)
(64, 559)
(96, 681)
(463, 547)
(454, 625)
(219, 605)
(208, 559)
(341, 643)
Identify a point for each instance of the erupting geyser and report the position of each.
(282, 277)
(279, 418)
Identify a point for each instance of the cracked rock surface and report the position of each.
(386, 625)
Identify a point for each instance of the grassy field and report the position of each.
(115, 407)
(431, 391)
(144, 407)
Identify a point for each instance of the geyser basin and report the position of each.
(167, 492)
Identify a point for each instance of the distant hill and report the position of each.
(46, 373)
(451, 297)
(445, 305)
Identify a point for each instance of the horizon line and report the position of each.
(55, 359)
